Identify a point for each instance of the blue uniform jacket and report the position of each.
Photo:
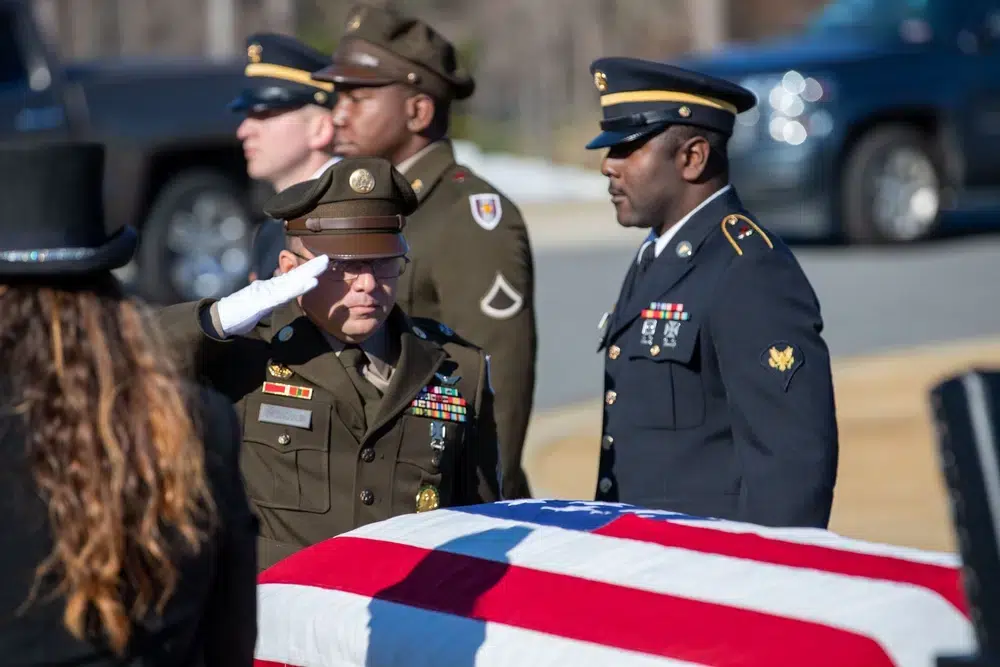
(718, 391)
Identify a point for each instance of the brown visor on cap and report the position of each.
(354, 75)
(360, 64)
(369, 237)
(357, 245)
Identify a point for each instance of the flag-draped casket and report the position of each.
(580, 584)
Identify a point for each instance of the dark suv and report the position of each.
(879, 122)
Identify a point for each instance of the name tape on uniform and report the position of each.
(284, 416)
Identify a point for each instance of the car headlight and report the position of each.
(790, 108)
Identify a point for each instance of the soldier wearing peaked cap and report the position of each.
(472, 266)
(288, 132)
(718, 392)
(352, 412)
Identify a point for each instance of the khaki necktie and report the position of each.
(354, 358)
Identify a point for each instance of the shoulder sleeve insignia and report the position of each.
(486, 210)
(501, 301)
(782, 359)
(742, 227)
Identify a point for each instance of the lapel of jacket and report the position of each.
(427, 171)
(419, 359)
(307, 353)
(618, 309)
(668, 269)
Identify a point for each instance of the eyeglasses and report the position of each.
(348, 270)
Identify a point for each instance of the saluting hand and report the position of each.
(241, 311)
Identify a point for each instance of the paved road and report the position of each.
(872, 300)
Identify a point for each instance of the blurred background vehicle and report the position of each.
(879, 120)
(175, 168)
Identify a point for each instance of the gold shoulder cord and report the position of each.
(731, 220)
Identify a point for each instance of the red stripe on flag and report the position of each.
(270, 663)
(945, 581)
(572, 607)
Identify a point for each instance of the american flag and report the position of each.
(542, 583)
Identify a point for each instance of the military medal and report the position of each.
(438, 432)
(428, 499)
(648, 331)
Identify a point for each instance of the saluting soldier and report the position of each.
(287, 132)
(718, 391)
(472, 265)
(352, 411)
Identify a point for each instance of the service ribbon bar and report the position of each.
(665, 315)
(280, 389)
(436, 414)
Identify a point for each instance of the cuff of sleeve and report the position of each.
(208, 318)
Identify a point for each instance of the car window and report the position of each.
(13, 72)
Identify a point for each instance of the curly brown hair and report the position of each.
(113, 448)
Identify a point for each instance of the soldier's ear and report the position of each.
(692, 157)
(419, 113)
(322, 130)
(286, 261)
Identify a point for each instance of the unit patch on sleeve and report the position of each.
(486, 210)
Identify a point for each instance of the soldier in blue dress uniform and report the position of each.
(718, 392)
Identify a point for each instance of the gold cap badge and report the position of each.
(254, 51)
(362, 181)
(427, 499)
(600, 80)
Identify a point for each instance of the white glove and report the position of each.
(241, 311)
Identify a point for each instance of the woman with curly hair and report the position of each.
(127, 536)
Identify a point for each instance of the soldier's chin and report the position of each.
(361, 326)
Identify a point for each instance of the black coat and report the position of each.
(718, 391)
(210, 620)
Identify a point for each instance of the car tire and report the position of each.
(199, 226)
(892, 187)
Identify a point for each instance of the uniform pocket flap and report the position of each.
(664, 340)
(288, 428)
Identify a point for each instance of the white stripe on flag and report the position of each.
(909, 622)
(315, 627)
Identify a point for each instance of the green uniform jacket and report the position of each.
(472, 269)
(311, 467)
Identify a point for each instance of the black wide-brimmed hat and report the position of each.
(52, 212)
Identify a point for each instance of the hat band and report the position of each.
(380, 223)
(47, 255)
(287, 74)
(638, 96)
